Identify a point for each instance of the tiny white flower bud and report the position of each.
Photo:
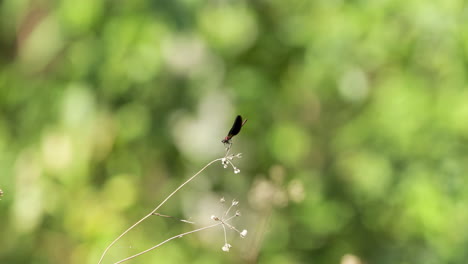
(226, 247)
(214, 217)
(243, 233)
(235, 202)
(238, 213)
(236, 170)
(222, 200)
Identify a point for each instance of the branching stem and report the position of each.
(152, 212)
(167, 240)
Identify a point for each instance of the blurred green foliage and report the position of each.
(355, 150)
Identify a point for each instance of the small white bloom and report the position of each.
(238, 213)
(222, 200)
(243, 233)
(226, 247)
(236, 170)
(235, 202)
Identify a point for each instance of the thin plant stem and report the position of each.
(175, 218)
(228, 149)
(232, 227)
(229, 209)
(223, 223)
(167, 240)
(225, 235)
(155, 209)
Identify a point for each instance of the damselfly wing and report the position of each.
(235, 129)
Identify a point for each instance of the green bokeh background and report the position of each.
(355, 150)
